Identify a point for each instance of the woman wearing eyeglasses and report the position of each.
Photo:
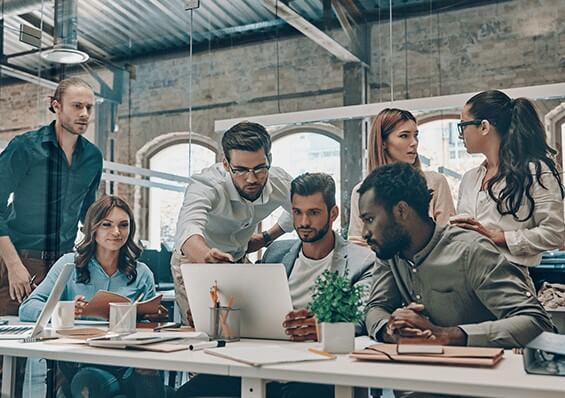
(515, 197)
(394, 138)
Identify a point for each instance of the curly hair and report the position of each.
(522, 142)
(399, 182)
(86, 249)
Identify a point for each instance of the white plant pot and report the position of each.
(338, 338)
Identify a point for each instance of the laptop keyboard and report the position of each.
(15, 329)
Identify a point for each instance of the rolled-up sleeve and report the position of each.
(383, 300)
(13, 163)
(506, 291)
(193, 216)
(548, 232)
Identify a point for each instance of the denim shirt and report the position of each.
(49, 195)
(99, 280)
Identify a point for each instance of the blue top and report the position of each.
(50, 197)
(99, 280)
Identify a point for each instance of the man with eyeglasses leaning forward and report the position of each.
(224, 203)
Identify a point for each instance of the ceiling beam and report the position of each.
(309, 30)
(443, 102)
(17, 73)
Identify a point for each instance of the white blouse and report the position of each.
(526, 240)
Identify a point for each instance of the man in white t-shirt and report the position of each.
(313, 211)
(320, 248)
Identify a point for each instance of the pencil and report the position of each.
(322, 353)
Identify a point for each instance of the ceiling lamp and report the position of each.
(65, 49)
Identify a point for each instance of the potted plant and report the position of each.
(336, 305)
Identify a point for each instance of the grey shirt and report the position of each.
(462, 280)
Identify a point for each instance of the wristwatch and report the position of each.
(267, 238)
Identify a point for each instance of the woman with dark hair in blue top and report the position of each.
(106, 259)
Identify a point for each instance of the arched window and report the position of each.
(307, 149)
(169, 153)
(164, 205)
(441, 150)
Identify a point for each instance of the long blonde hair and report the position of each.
(382, 126)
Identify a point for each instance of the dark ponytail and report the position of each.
(522, 141)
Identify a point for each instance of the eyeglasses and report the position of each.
(258, 171)
(461, 126)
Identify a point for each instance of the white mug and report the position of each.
(63, 316)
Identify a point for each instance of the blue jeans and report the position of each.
(96, 381)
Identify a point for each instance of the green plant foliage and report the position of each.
(335, 300)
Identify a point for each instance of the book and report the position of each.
(99, 306)
(149, 341)
(451, 355)
(267, 355)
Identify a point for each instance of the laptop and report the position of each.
(260, 290)
(19, 332)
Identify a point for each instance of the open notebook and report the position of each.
(267, 355)
(99, 306)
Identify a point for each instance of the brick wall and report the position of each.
(515, 43)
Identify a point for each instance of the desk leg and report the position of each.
(253, 388)
(343, 392)
(8, 377)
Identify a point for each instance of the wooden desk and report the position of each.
(508, 379)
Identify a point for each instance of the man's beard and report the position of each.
(396, 240)
(247, 196)
(70, 129)
(321, 233)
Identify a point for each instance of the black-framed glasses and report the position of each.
(259, 171)
(461, 126)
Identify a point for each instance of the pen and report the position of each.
(32, 279)
(207, 344)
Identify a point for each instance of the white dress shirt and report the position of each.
(214, 209)
(526, 240)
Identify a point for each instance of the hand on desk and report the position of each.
(300, 325)
(80, 303)
(408, 323)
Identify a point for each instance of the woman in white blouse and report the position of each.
(394, 138)
(515, 197)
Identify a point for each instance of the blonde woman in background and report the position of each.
(394, 138)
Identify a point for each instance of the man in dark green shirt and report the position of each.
(439, 282)
(48, 179)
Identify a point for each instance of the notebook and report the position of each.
(143, 339)
(464, 356)
(267, 355)
(19, 332)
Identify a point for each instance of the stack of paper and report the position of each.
(267, 355)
